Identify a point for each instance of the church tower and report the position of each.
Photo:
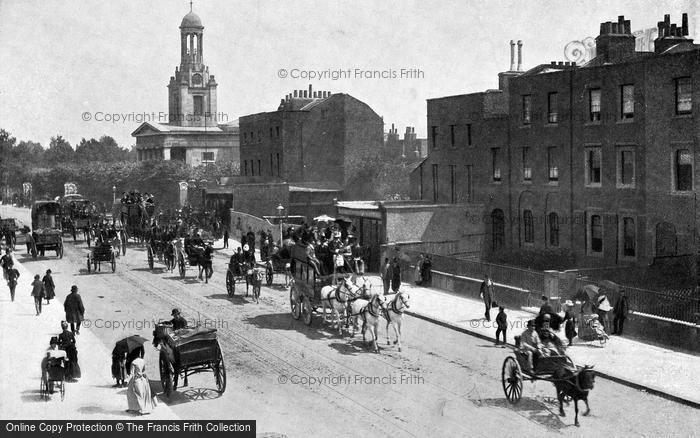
(192, 90)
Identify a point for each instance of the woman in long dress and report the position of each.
(138, 393)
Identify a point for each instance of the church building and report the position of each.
(193, 131)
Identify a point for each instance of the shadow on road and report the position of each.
(102, 411)
(534, 410)
(284, 321)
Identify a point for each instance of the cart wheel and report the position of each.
(150, 258)
(294, 304)
(166, 375)
(269, 274)
(89, 266)
(230, 283)
(113, 262)
(63, 388)
(44, 389)
(306, 310)
(512, 380)
(220, 371)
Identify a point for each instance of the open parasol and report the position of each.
(589, 292)
(130, 343)
(324, 218)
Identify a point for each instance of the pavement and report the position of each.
(664, 372)
(24, 343)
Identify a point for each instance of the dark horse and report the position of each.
(575, 384)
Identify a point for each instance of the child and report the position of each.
(501, 324)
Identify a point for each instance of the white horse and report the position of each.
(396, 305)
(370, 311)
(337, 299)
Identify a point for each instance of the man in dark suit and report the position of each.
(178, 321)
(486, 293)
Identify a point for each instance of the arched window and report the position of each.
(528, 227)
(666, 241)
(553, 229)
(498, 229)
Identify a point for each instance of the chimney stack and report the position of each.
(512, 55)
(520, 55)
(295, 93)
(310, 90)
(684, 25)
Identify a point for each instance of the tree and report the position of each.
(7, 143)
(105, 149)
(59, 151)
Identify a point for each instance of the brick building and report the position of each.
(314, 139)
(596, 161)
(192, 131)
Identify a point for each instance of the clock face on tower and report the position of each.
(197, 80)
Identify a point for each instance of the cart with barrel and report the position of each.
(185, 352)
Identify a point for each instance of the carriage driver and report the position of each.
(530, 344)
(178, 321)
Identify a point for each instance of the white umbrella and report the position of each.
(324, 218)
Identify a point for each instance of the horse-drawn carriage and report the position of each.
(102, 252)
(136, 218)
(276, 261)
(46, 228)
(195, 254)
(186, 352)
(77, 214)
(160, 247)
(239, 271)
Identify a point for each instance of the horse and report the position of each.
(338, 298)
(370, 313)
(169, 256)
(254, 276)
(204, 263)
(575, 384)
(394, 314)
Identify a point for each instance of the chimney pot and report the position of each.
(667, 20)
(603, 27)
(520, 55)
(628, 27)
(305, 94)
(674, 30)
(573, 63)
(561, 63)
(295, 93)
(614, 28)
(512, 55)
(684, 25)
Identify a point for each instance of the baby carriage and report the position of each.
(591, 330)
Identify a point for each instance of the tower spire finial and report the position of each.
(190, 5)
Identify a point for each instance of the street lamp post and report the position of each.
(280, 208)
(114, 194)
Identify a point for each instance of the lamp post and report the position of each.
(280, 208)
(114, 194)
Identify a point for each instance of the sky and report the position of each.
(62, 59)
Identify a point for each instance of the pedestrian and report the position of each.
(38, 293)
(486, 294)
(620, 312)
(603, 311)
(225, 237)
(138, 393)
(12, 276)
(546, 307)
(501, 324)
(49, 286)
(569, 322)
(427, 273)
(385, 273)
(66, 341)
(418, 273)
(7, 262)
(75, 310)
(395, 275)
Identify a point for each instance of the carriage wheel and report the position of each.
(294, 304)
(306, 310)
(113, 262)
(44, 389)
(512, 379)
(230, 283)
(269, 274)
(220, 371)
(150, 258)
(166, 375)
(89, 263)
